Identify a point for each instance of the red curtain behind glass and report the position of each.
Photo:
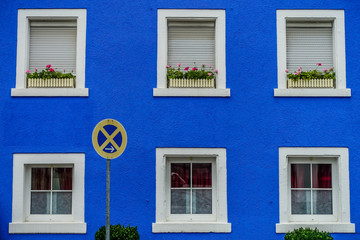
(321, 176)
(201, 175)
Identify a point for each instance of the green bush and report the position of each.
(118, 232)
(308, 234)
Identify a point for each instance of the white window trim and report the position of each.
(338, 52)
(162, 224)
(22, 63)
(220, 60)
(19, 209)
(343, 225)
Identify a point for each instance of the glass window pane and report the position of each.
(300, 202)
(322, 200)
(202, 201)
(40, 203)
(62, 203)
(180, 201)
(40, 178)
(62, 179)
(201, 176)
(180, 175)
(300, 176)
(321, 175)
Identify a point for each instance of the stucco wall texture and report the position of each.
(121, 62)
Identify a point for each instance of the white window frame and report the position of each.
(22, 63)
(337, 16)
(22, 222)
(339, 221)
(162, 53)
(213, 223)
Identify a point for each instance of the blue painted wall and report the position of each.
(121, 55)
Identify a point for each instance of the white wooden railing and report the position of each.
(51, 83)
(311, 83)
(191, 83)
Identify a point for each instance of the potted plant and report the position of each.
(191, 77)
(312, 78)
(118, 232)
(309, 234)
(49, 78)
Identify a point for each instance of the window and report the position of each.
(308, 37)
(191, 37)
(311, 188)
(191, 187)
(48, 193)
(191, 190)
(55, 37)
(51, 190)
(314, 189)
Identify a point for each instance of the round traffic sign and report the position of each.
(109, 138)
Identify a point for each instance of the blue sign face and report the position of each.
(117, 140)
(109, 138)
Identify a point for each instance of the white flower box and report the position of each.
(191, 83)
(311, 83)
(51, 83)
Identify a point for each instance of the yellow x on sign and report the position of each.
(106, 139)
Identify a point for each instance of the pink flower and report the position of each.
(194, 69)
(319, 64)
(28, 71)
(216, 71)
(209, 74)
(209, 66)
(167, 66)
(72, 70)
(325, 70)
(179, 64)
(48, 66)
(300, 68)
(297, 73)
(286, 70)
(51, 69)
(203, 65)
(187, 68)
(36, 69)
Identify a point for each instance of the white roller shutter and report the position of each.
(53, 42)
(309, 43)
(191, 41)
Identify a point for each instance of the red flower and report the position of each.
(48, 66)
(194, 69)
(187, 68)
(319, 64)
(51, 69)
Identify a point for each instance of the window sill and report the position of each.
(49, 92)
(48, 227)
(191, 227)
(191, 92)
(312, 92)
(325, 226)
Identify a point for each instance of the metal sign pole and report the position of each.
(108, 165)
